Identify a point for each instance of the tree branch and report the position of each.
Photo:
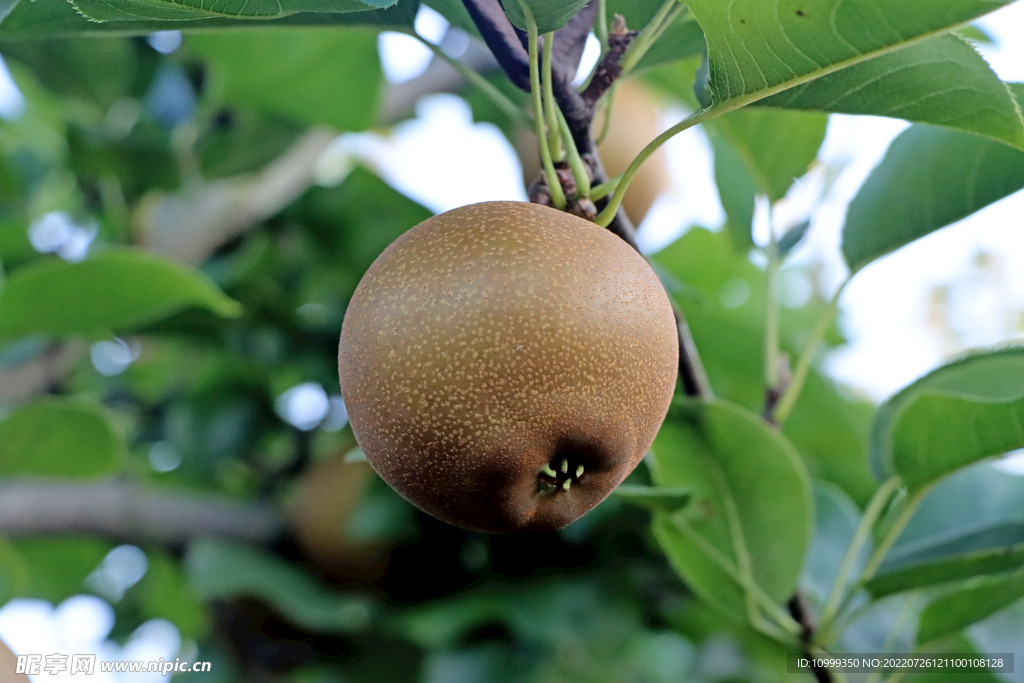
(798, 610)
(502, 40)
(129, 512)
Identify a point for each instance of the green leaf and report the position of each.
(829, 430)
(550, 15)
(679, 40)
(311, 76)
(942, 81)
(220, 570)
(952, 612)
(975, 34)
(116, 290)
(760, 151)
(59, 438)
(184, 10)
(957, 646)
(164, 593)
(456, 14)
(751, 502)
(737, 190)
(5, 8)
(792, 237)
(759, 49)
(338, 216)
(961, 413)
(992, 549)
(58, 565)
(835, 521)
(54, 19)
(939, 432)
(14, 572)
(668, 499)
(776, 146)
(97, 71)
(928, 179)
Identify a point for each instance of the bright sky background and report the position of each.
(886, 311)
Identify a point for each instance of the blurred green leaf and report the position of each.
(928, 179)
(550, 15)
(337, 217)
(60, 20)
(227, 147)
(835, 521)
(219, 570)
(777, 147)
(59, 438)
(681, 39)
(952, 417)
(848, 57)
(760, 151)
(961, 646)
(792, 237)
(752, 502)
(970, 499)
(182, 10)
(951, 557)
(311, 76)
(58, 565)
(950, 613)
(96, 71)
(164, 593)
(115, 290)
(737, 190)
(676, 79)
(456, 14)
(14, 571)
(924, 83)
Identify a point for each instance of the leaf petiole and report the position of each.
(554, 186)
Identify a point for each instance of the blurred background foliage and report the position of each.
(222, 251)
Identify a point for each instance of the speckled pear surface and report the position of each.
(506, 365)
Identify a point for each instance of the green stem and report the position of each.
(787, 622)
(579, 169)
(665, 15)
(827, 633)
(606, 216)
(500, 99)
(601, 29)
(605, 103)
(604, 189)
(550, 107)
(554, 186)
(867, 522)
(892, 536)
(904, 615)
(803, 366)
(771, 331)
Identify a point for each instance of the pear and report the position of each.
(506, 365)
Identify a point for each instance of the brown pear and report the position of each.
(506, 365)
